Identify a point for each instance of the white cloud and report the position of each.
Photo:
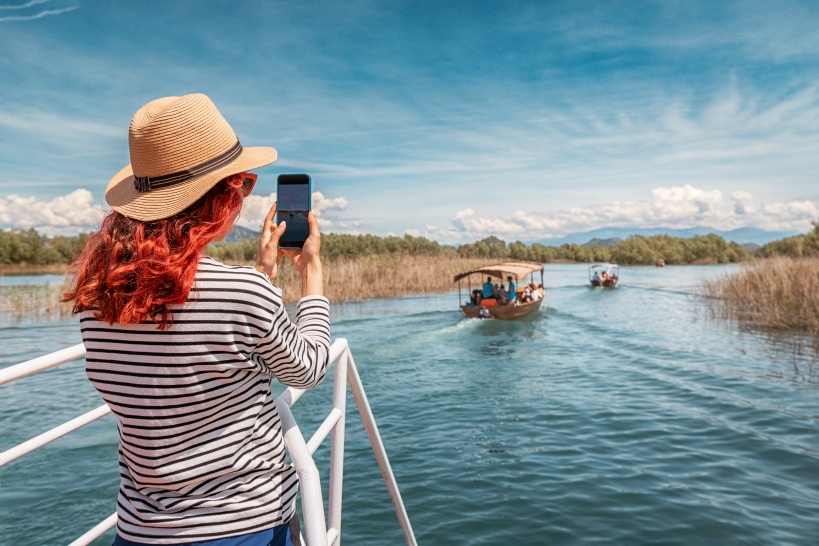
(254, 210)
(40, 15)
(24, 6)
(69, 213)
(256, 207)
(743, 203)
(78, 211)
(466, 220)
(674, 207)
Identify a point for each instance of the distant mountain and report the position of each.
(608, 243)
(609, 237)
(239, 233)
(741, 235)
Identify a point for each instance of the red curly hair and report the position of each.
(132, 271)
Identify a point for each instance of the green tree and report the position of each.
(634, 250)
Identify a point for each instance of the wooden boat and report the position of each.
(479, 307)
(604, 275)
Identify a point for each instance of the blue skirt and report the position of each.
(277, 536)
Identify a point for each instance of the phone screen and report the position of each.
(292, 205)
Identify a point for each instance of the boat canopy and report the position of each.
(518, 269)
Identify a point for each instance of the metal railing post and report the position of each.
(337, 446)
(51, 360)
(314, 527)
(97, 531)
(378, 447)
(57, 432)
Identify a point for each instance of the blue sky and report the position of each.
(453, 120)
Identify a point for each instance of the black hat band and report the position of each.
(148, 183)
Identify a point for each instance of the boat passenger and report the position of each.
(476, 297)
(488, 288)
(183, 348)
(536, 295)
(596, 277)
(527, 293)
(503, 297)
(512, 289)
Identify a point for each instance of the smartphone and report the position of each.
(293, 202)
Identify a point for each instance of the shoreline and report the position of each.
(62, 269)
(22, 269)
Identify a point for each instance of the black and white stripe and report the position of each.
(201, 450)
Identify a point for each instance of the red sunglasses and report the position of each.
(248, 181)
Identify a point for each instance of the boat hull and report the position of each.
(604, 284)
(502, 312)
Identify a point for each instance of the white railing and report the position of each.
(315, 530)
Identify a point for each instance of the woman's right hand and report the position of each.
(269, 252)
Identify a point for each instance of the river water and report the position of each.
(623, 416)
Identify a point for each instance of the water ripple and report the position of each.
(611, 417)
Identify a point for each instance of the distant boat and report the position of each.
(660, 263)
(604, 275)
(495, 307)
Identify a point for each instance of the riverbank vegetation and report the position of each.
(773, 294)
(378, 276)
(367, 266)
(33, 302)
(778, 291)
(345, 279)
(27, 250)
(636, 250)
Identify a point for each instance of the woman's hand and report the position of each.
(309, 254)
(269, 251)
(306, 260)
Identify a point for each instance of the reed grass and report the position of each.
(772, 294)
(345, 279)
(33, 302)
(379, 276)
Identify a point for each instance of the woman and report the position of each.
(183, 348)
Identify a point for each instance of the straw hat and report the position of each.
(180, 148)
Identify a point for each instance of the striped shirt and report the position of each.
(201, 451)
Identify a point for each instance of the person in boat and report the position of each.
(512, 290)
(536, 293)
(596, 277)
(488, 289)
(184, 348)
(476, 297)
(527, 294)
(503, 297)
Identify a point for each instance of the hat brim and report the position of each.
(124, 198)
